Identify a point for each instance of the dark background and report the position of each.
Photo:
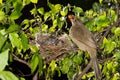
(84, 4)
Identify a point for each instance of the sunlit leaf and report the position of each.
(90, 74)
(100, 1)
(57, 7)
(110, 66)
(34, 1)
(33, 11)
(44, 27)
(13, 28)
(51, 6)
(46, 15)
(18, 6)
(2, 15)
(15, 15)
(7, 75)
(117, 55)
(109, 45)
(3, 39)
(24, 41)
(3, 59)
(34, 62)
(40, 65)
(41, 10)
(78, 59)
(77, 9)
(53, 65)
(15, 40)
(25, 2)
(33, 48)
(66, 65)
(117, 31)
(64, 12)
(1, 1)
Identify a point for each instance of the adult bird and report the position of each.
(84, 39)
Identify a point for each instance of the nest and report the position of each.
(51, 46)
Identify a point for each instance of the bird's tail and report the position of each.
(98, 74)
(93, 55)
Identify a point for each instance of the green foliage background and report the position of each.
(14, 39)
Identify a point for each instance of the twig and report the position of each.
(20, 60)
(110, 27)
(90, 65)
(85, 70)
(60, 53)
(104, 60)
(35, 77)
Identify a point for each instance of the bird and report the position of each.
(85, 41)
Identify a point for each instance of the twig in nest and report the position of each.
(20, 60)
(57, 55)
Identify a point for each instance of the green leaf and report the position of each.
(1, 1)
(13, 28)
(110, 66)
(33, 11)
(109, 45)
(34, 1)
(78, 59)
(117, 55)
(15, 40)
(18, 5)
(53, 65)
(44, 27)
(41, 10)
(40, 65)
(34, 62)
(51, 6)
(26, 2)
(3, 59)
(7, 75)
(52, 29)
(77, 9)
(57, 7)
(66, 65)
(33, 48)
(64, 12)
(24, 41)
(2, 15)
(90, 74)
(15, 15)
(117, 31)
(100, 1)
(3, 39)
(46, 15)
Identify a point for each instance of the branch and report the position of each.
(59, 54)
(85, 70)
(110, 27)
(20, 60)
(90, 65)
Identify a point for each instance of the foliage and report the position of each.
(15, 45)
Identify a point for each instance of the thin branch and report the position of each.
(20, 60)
(59, 54)
(110, 27)
(85, 70)
(90, 65)
(35, 77)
